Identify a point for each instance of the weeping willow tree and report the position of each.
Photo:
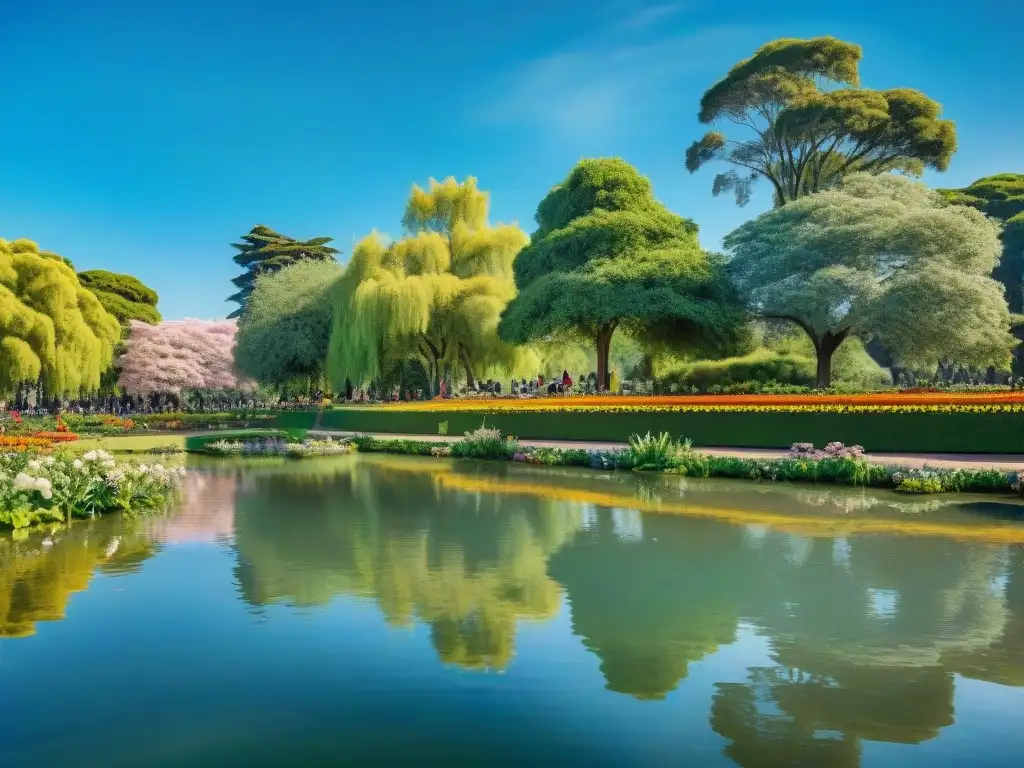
(434, 296)
(54, 332)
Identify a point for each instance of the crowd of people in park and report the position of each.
(538, 386)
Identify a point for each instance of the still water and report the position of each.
(389, 611)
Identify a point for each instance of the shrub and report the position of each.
(650, 452)
(920, 485)
(485, 443)
(368, 444)
(39, 489)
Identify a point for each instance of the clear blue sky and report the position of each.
(144, 137)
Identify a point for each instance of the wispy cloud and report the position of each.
(596, 91)
(651, 15)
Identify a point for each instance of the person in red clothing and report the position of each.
(566, 382)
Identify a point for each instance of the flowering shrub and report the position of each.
(180, 353)
(834, 450)
(274, 446)
(485, 443)
(441, 451)
(37, 489)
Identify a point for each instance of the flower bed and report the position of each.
(276, 446)
(944, 402)
(22, 443)
(836, 463)
(38, 488)
(56, 437)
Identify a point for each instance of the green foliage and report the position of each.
(434, 296)
(284, 333)
(52, 328)
(37, 489)
(369, 444)
(882, 257)
(123, 296)
(126, 286)
(808, 133)
(654, 453)
(787, 362)
(1001, 197)
(606, 254)
(484, 443)
(920, 485)
(263, 250)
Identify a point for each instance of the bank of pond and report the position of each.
(834, 463)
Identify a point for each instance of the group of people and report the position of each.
(557, 386)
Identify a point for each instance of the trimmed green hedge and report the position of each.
(878, 432)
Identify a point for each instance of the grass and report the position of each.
(128, 443)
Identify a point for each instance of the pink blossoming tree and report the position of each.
(177, 354)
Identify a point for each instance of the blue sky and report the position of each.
(144, 137)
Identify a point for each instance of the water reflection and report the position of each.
(467, 565)
(819, 620)
(40, 572)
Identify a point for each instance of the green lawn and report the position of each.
(127, 443)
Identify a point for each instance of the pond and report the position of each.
(389, 610)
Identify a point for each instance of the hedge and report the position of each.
(921, 432)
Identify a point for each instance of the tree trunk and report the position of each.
(825, 348)
(464, 357)
(604, 342)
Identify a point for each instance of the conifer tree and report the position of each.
(263, 250)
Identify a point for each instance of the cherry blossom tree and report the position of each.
(177, 354)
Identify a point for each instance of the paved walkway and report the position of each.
(1011, 462)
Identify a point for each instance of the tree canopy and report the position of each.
(807, 133)
(1001, 197)
(879, 256)
(123, 296)
(284, 334)
(264, 250)
(607, 254)
(179, 354)
(435, 295)
(52, 329)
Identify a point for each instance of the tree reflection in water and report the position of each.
(39, 573)
(468, 565)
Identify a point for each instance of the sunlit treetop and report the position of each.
(52, 329)
(808, 130)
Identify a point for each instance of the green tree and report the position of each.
(884, 257)
(264, 250)
(607, 254)
(123, 296)
(1001, 197)
(435, 295)
(808, 134)
(284, 333)
(53, 330)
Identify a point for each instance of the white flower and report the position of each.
(35, 465)
(49, 461)
(143, 468)
(77, 464)
(24, 482)
(91, 456)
